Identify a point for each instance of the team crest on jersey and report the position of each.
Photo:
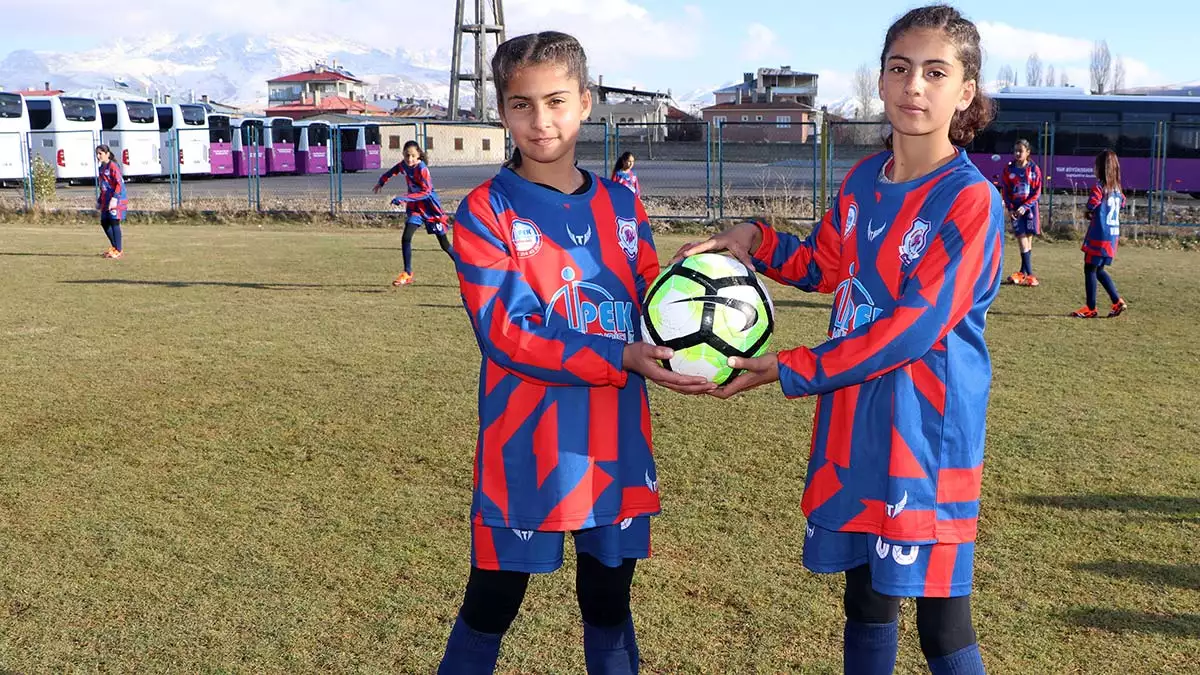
(580, 239)
(915, 239)
(523, 535)
(627, 236)
(652, 484)
(851, 220)
(526, 237)
(589, 308)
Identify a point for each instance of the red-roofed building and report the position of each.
(322, 89)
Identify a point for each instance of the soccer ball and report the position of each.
(708, 307)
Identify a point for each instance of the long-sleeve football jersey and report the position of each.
(112, 190)
(553, 285)
(1022, 186)
(629, 179)
(422, 198)
(904, 378)
(1104, 228)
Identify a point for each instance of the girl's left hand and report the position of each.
(759, 371)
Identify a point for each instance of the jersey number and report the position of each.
(1113, 220)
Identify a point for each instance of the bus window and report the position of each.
(108, 116)
(10, 106)
(193, 115)
(318, 135)
(1138, 130)
(1184, 138)
(349, 139)
(39, 114)
(218, 130)
(140, 112)
(79, 109)
(373, 136)
(282, 132)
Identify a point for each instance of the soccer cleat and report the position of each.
(108, 252)
(1029, 280)
(1118, 308)
(1015, 278)
(1084, 313)
(402, 279)
(116, 254)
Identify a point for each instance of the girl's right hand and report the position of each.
(741, 241)
(376, 189)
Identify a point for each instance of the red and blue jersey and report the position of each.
(629, 180)
(553, 285)
(422, 199)
(112, 190)
(1104, 228)
(904, 378)
(1022, 186)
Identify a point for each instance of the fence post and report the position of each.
(816, 214)
(95, 165)
(824, 140)
(335, 161)
(1048, 171)
(708, 206)
(27, 168)
(721, 171)
(607, 139)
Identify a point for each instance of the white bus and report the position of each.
(130, 129)
(14, 130)
(190, 122)
(64, 132)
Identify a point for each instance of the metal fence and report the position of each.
(686, 169)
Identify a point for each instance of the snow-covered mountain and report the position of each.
(231, 68)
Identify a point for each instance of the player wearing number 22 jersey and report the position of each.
(903, 381)
(553, 285)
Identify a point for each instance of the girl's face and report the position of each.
(412, 156)
(629, 164)
(922, 84)
(543, 109)
(1021, 154)
(102, 156)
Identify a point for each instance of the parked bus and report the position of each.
(130, 129)
(1074, 127)
(220, 145)
(360, 147)
(249, 155)
(14, 132)
(64, 132)
(186, 123)
(312, 147)
(279, 140)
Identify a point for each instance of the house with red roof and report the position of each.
(321, 89)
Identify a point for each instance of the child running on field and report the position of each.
(422, 206)
(1100, 243)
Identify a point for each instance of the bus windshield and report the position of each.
(193, 115)
(374, 137)
(79, 109)
(140, 112)
(318, 135)
(218, 129)
(282, 132)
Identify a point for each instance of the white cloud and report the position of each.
(1004, 44)
(762, 44)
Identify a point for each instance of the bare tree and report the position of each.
(1007, 77)
(1101, 68)
(1119, 76)
(1063, 80)
(1033, 70)
(866, 84)
(1051, 78)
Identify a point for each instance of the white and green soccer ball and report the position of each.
(707, 308)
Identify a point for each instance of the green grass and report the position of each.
(240, 450)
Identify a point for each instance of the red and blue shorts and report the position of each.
(927, 571)
(533, 551)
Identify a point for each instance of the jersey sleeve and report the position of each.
(956, 270)
(1006, 188)
(1095, 199)
(1035, 186)
(388, 175)
(808, 264)
(647, 262)
(506, 314)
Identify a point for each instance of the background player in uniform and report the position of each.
(1100, 243)
(553, 265)
(912, 254)
(422, 206)
(112, 202)
(1022, 182)
(623, 173)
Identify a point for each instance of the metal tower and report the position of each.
(482, 32)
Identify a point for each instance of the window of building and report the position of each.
(429, 142)
(720, 119)
(745, 118)
(393, 142)
(758, 118)
(487, 144)
(783, 121)
(458, 144)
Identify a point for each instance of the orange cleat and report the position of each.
(1029, 280)
(1015, 278)
(1118, 308)
(1084, 313)
(116, 254)
(403, 279)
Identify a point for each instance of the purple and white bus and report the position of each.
(249, 153)
(361, 147)
(312, 147)
(279, 141)
(1156, 137)
(220, 145)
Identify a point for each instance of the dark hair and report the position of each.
(420, 152)
(965, 37)
(1108, 171)
(533, 50)
(106, 149)
(623, 162)
(1022, 143)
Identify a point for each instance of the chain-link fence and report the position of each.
(686, 169)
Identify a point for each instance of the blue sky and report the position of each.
(681, 45)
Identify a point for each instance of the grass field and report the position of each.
(240, 450)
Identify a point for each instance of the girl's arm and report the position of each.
(1035, 187)
(808, 264)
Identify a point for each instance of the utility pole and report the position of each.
(482, 32)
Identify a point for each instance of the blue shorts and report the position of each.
(431, 226)
(502, 548)
(1028, 224)
(930, 571)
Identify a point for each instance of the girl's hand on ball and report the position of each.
(741, 242)
(759, 371)
(643, 358)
